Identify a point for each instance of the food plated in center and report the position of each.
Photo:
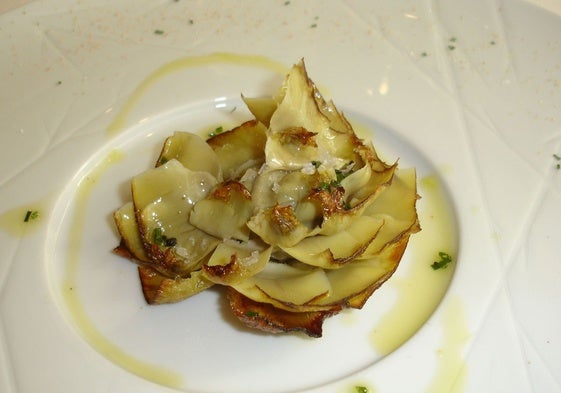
(291, 212)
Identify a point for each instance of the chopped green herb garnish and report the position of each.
(158, 236)
(451, 47)
(453, 39)
(557, 157)
(163, 160)
(30, 215)
(59, 83)
(287, 2)
(217, 130)
(344, 171)
(493, 43)
(326, 186)
(233, 109)
(361, 389)
(340, 175)
(158, 32)
(251, 314)
(444, 261)
(316, 164)
(314, 25)
(191, 21)
(162, 240)
(424, 54)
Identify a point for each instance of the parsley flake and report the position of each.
(158, 236)
(162, 240)
(361, 389)
(31, 215)
(445, 260)
(251, 314)
(326, 186)
(158, 32)
(217, 130)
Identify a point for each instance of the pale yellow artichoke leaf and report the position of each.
(232, 262)
(285, 286)
(279, 226)
(396, 205)
(337, 121)
(265, 188)
(163, 199)
(152, 184)
(240, 149)
(355, 277)
(292, 149)
(224, 212)
(192, 152)
(339, 249)
(298, 110)
(281, 187)
(125, 220)
(261, 107)
(374, 177)
(297, 107)
(353, 284)
(358, 280)
(159, 289)
(399, 199)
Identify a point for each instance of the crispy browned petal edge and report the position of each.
(123, 251)
(266, 317)
(150, 281)
(359, 300)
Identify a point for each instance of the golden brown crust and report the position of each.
(269, 319)
(224, 191)
(283, 218)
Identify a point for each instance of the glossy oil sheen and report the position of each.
(71, 292)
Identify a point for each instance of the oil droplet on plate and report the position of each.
(451, 368)
(420, 288)
(24, 220)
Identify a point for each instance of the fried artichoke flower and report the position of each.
(291, 211)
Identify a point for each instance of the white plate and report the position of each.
(470, 94)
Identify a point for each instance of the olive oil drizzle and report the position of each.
(120, 121)
(421, 288)
(71, 293)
